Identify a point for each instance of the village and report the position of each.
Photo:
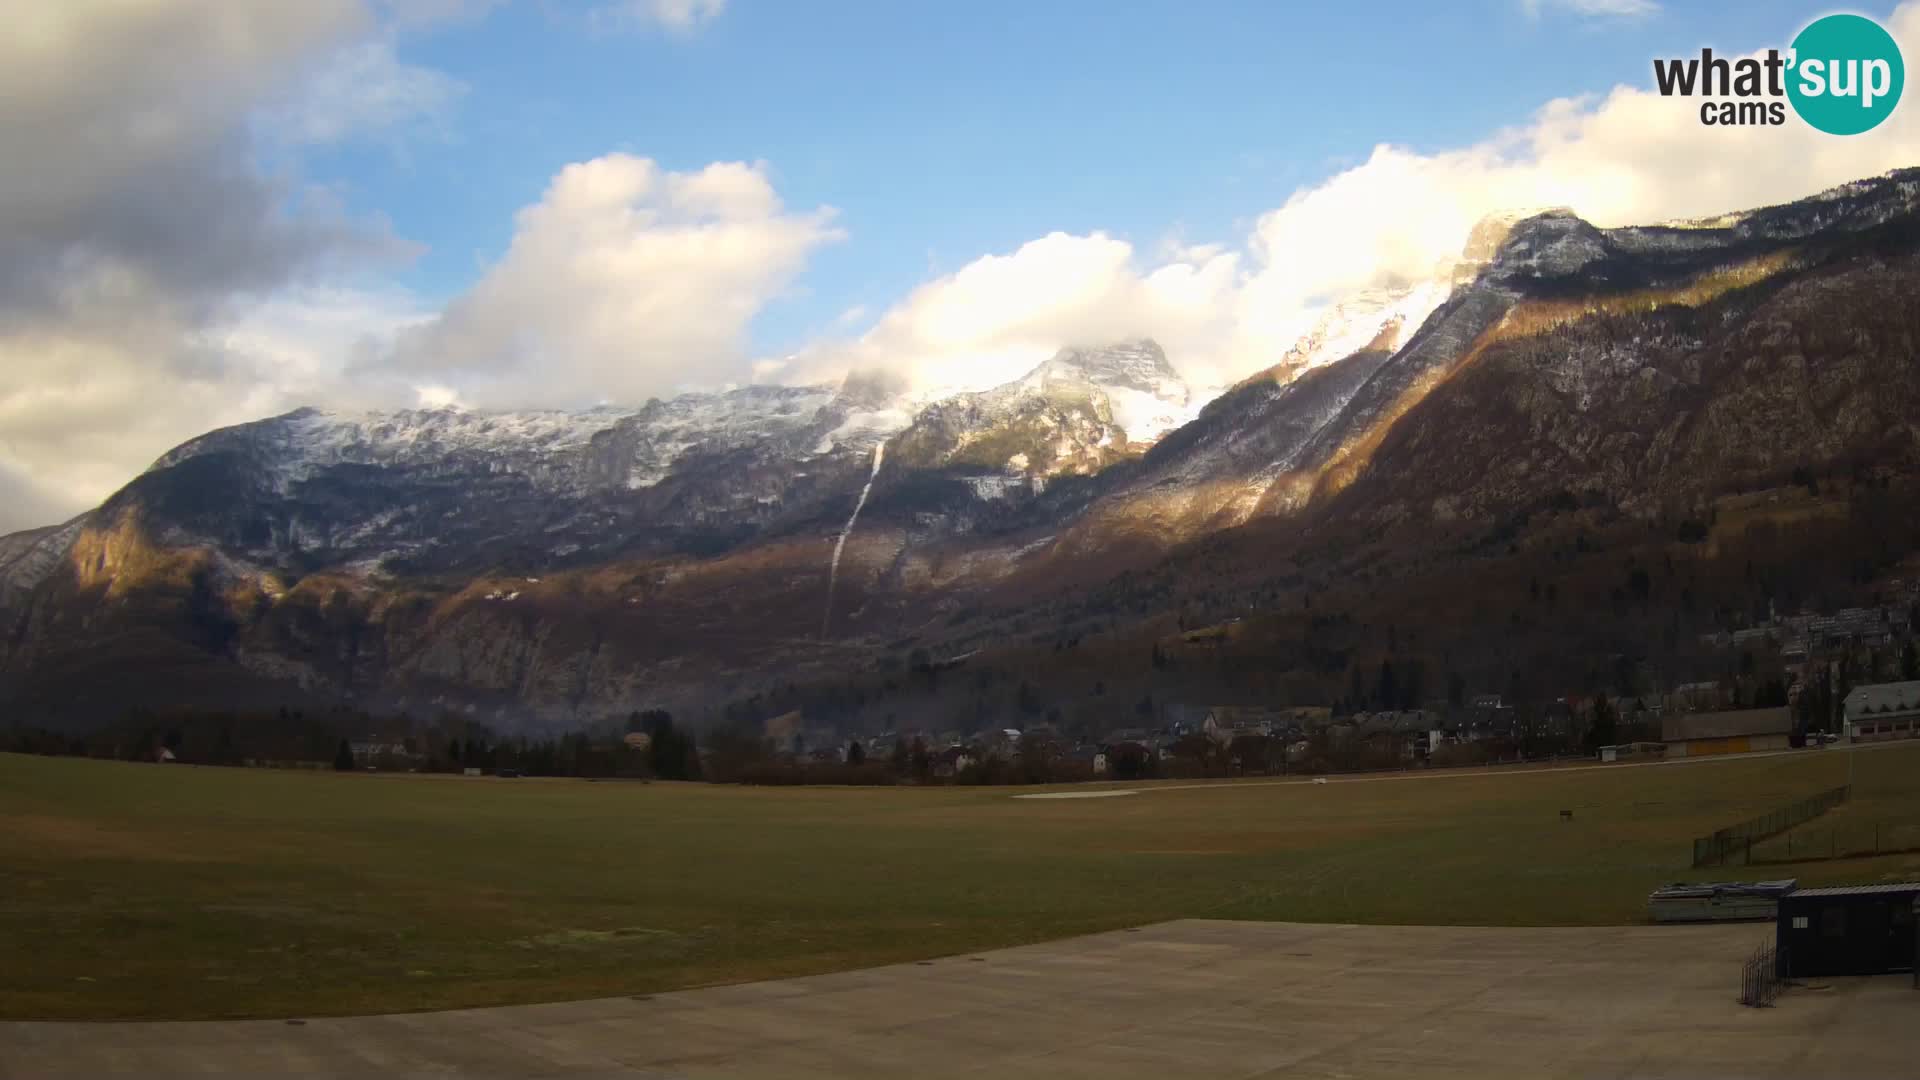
(1802, 680)
(1228, 740)
(1850, 675)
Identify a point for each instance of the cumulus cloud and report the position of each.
(624, 281)
(1000, 315)
(121, 172)
(135, 226)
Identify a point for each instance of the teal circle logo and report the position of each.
(1846, 74)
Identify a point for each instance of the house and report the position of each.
(1850, 626)
(1882, 711)
(375, 750)
(1235, 720)
(1093, 757)
(1627, 751)
(1734, 732)
(1560, 719)
(1489, 718)
(1129, 758)
(1631, 709)
(1695, 696)
(951, 761)
(1303, 716)
(1180, 718)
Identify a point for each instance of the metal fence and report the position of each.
(1760, 977)
(1739, 839)
(1852, 840)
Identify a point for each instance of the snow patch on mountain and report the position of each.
(1373, 318)
(26, 558)
(864, 428)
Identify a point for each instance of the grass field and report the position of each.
(1884, 814)
(147, 891)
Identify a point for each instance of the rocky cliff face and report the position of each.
(541, 566)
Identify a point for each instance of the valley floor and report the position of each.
(1188, 998)
(167, 892)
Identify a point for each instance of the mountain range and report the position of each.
(774, 545)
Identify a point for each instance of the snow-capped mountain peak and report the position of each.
(1147, 396)
(1076, 412)
(1380, 318)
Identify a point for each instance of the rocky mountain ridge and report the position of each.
(538, 565)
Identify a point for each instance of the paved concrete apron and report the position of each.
(1189, 998)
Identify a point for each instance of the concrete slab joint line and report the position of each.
(1196, 997)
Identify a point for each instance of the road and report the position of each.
(1188, 998)
(1524, 768)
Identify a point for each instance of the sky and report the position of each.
(214, 212)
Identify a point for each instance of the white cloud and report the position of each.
(86, 404)
(364, 90)
(1606, 9)
(679, 16)
(125, 148)
(143, 255)
(995, 318)
(623, 282)
(435, 396)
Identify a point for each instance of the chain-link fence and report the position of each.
(1738, 840)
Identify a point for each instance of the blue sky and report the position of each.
(944, 132)
(219, 211)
